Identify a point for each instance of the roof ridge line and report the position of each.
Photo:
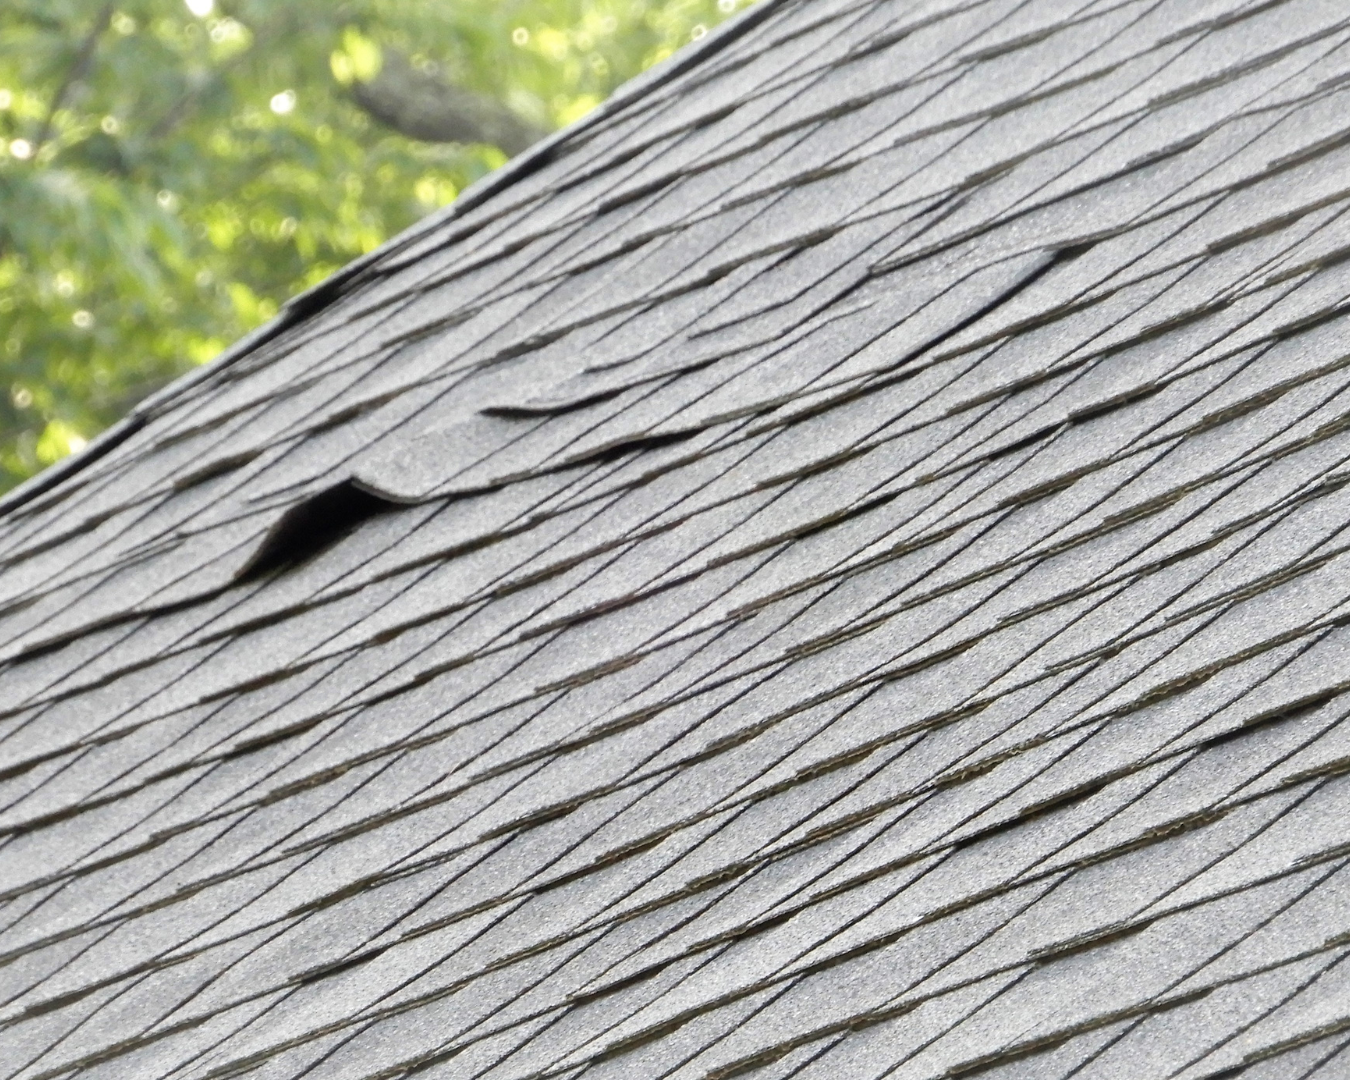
(319, 297)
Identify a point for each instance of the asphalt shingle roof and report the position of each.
(836, 566)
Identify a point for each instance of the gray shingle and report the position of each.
(856, 590)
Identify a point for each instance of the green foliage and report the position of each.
(172, 170)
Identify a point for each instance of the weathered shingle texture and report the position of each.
(836, 568)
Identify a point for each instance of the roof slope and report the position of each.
(836, 567)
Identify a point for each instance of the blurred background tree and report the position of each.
(172, 170)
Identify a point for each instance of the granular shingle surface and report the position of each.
(837, 566)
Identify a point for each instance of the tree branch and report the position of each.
(187, 101)
(78, 69)
(423, 107)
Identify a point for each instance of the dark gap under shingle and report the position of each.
(327, 970)
(313, 525)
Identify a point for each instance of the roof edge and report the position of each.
(318, 297)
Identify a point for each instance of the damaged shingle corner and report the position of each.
(312, 526)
